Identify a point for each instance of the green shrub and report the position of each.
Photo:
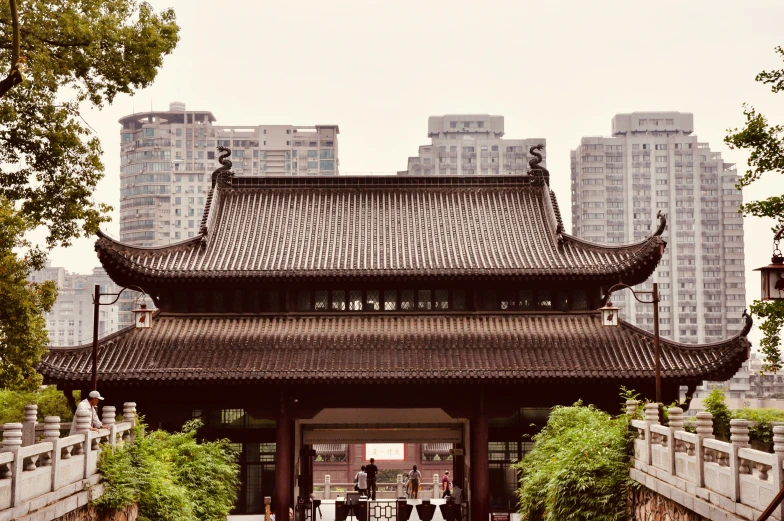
(763, 430)
(578, 469)
(172, 476)
(50, 401)
(716, 405)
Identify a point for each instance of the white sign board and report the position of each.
(385, 451)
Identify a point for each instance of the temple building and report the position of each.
(447, 314)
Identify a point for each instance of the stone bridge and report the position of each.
(694, 477)
(43, 476)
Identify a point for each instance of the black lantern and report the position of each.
(772, 275)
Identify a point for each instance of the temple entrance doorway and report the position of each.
(334, 444)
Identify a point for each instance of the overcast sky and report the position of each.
(555, 69)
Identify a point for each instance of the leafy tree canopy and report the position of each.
(60, 54)
(50, 401)
(71, 51)
(765, 143)
(23, 336)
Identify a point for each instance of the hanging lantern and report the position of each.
(143, 317)
(609, 314)
(772, 275)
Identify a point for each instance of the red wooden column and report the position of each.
(283, 461)
(480, 463)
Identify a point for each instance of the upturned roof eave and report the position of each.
(117, 259)
(708, 361)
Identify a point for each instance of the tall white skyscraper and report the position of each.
(653, 163)
(167, 158)
(471, 144)
(70, 322)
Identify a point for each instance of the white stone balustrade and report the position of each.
(34, 475)
(715, 479)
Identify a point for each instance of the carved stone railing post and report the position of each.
(12, 442)
(83, 424)
(651, 418)
(675, 415)
(739, 436)
(327, 486)
(129, 412)
(108, 418)
(29, 423)
(400, 485)
(436, 487)
(129, 415)
(83, 419)
(704, 430)
(778, 470)
(52, 434)
(631, 409)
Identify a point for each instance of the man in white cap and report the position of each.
(88, 405)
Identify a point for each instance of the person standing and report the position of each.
(88, 405)
(362, 482)
(413, 480)
(371, 471)
(457, 494)
(446, 485)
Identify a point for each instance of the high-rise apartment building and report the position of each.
(70, 322)
(470, 144)
(167, 159)
(653, 163)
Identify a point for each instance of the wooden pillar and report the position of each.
(283, 461)
(480, 463)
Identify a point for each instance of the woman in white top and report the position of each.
(413, 481)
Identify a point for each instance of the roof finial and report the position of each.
(534, 167)
(662, 223)
(225, 170)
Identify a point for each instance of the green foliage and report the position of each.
(578, 469)
(70, 52)
(23, 336)
(171, 476)
(762, 428)
(50, 401)
(715, 404)
(74, 51)
(772, 313)
(765, 143)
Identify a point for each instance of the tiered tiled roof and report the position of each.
(390, 348)
(262, 228)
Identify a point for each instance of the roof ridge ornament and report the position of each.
(749, 322)
(662, 224)
(535, 169)
(223, 173)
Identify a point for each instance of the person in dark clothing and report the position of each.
(371, 471)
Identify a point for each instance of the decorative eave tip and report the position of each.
(662, 224)
(747, 326)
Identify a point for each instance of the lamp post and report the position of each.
(610, 318)
(142, 320)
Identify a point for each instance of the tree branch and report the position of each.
(14, 75)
